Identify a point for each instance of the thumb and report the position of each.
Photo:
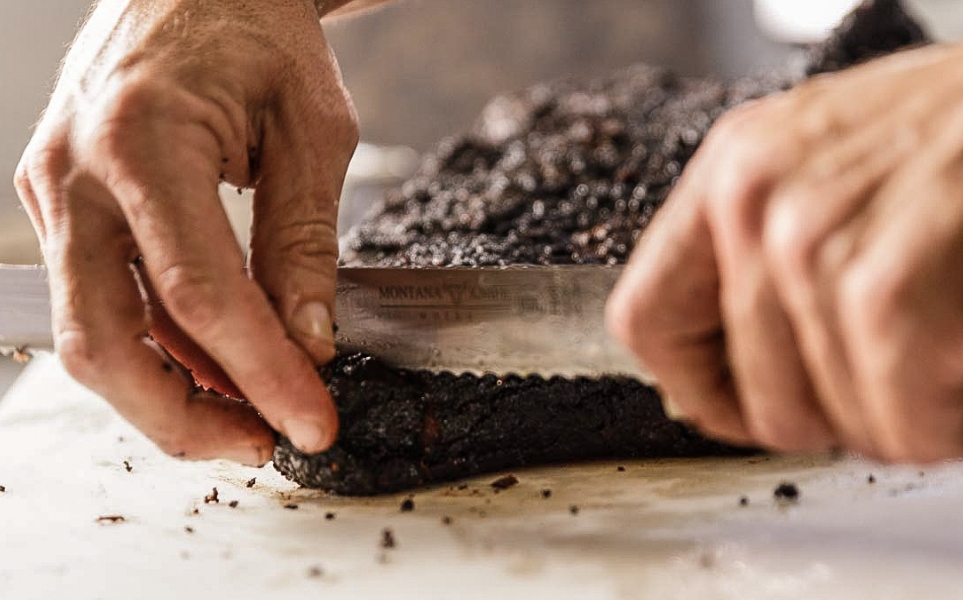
(294, 242)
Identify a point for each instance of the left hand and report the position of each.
(803, 286)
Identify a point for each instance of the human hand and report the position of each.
(158, 101)
(801, 288)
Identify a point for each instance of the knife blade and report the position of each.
(523, 320)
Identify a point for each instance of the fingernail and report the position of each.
(313, 319)
(307, 436)
(672, 410)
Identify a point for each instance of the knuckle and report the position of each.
(82, 356)
(310, 244)
(792, 245)
(191, 296)
(871, 295)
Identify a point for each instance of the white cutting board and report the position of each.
(660, 529)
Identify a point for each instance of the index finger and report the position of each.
(666, 310)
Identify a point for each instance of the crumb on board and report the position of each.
(188, 529)
(212, 498)
(871, 479)
(110, 520)
(291, 506)
(315, 572)
(787, 492)
(744, 501)
(446, 520)
(127, 466)
(233, 503)
(408, 504)
(546, 493)
(503, 483)
(3, 489)
(388, 540)
(250, 482)
(620, 469)
(574, 509)
(330, 516)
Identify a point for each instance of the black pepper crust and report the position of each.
(566, 172)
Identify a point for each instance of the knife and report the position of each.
(522, 320)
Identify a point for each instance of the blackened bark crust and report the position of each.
(562, 173)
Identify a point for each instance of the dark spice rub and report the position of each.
(562, 173)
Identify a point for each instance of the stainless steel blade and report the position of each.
(24, 308)
(544, 320)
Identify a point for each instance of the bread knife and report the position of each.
(522, 320)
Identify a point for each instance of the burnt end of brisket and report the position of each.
(402, 429)
(873, 28)
(563, 173)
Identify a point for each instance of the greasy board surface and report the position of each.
(658, 529)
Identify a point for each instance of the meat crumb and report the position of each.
(291, 506)
(111, 520)
(212, 498)
(388, 541)
(315, 572)
(127, 466)
(408, 505)
(3, 489)
(503, 483)
(233, 503)
(546, 494)
(250, 482)
(330, 516)
(787, 492)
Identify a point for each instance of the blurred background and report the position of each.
(422, 69)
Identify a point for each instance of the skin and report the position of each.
(801, 288)
(159, 101)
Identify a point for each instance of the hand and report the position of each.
(802, 287)
(160, 100)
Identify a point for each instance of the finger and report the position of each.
(777, 398)
(165, 331)
(294, 244)
(814, 224)
(906, 338)
(100, 327)
(665, 309)
(167, 188)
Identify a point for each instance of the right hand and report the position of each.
(158, 101)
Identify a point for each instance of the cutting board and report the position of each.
(652, 529)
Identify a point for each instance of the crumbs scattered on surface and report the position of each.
(315, 572)
(188, 529)
(330, 516)
(111, 520)
(127, 466)
(787, 493)
(503, 483)
(574, 510)
(744, 501)
(196, 511)
(212, 498)
(446, 520)
(546, 493)
(620, 469)
(291, 506)
(250, 482)
(408, 504)
(233, 503)
(871, 479)
(388, 541)
(3, 489)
